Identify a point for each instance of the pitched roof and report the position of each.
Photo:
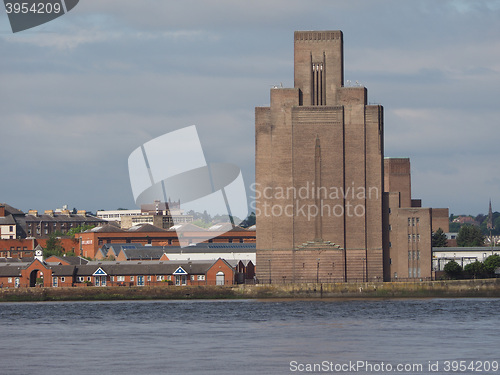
(71, 260)
(61, 218)
(212, 248)
(146, 252)
(226, 227)
(23, 261)
(115, 248)
(63, 270)
(145, 268)
(10, 271)
(9, 210)
(145, 228)
(187, 227)
(7, 220)
(106, 228)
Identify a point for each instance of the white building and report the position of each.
(461, 255)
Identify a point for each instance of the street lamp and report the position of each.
(317, 272)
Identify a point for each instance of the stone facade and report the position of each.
(319, 171)
(407, 226)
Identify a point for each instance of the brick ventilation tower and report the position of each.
(319, 173)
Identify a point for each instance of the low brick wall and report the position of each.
(425, 289)
(449, 288)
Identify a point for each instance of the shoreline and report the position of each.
(363, 290)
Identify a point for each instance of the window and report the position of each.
(120, 278)
(192, 277)
(131, 278)
(63, 279)
(80, 279)
(112, 278)
(11, 228)
(201, 277)
(160, 277)
(9, 280)
(149, 278)
(409, 221)
(88, 278)
(140, 280)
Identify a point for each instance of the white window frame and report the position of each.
(120, 278)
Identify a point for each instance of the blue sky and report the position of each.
(80, 93)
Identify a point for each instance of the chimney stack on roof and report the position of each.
(2, 211)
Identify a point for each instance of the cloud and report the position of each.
(79, 93)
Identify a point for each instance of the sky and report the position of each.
(80, 93)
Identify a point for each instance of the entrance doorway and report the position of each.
(34, 276)
(219, 278)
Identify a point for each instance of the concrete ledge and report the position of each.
(425, 289)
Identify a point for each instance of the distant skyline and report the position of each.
(80, 93)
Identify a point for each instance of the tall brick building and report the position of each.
(319, 179)
(407, 226)
(319, 164)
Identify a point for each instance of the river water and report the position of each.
(251, 337)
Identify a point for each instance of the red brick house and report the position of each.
(38, 273)
(93, 239)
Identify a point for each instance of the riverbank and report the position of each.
(425, 289)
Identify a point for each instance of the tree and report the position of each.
(477, 269)
(492, 263)
(452, 269)
(439, 239)
(470, 235)
(53, 247)
(249, 221)
(79, 229)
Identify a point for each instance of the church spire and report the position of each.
(490, 218)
